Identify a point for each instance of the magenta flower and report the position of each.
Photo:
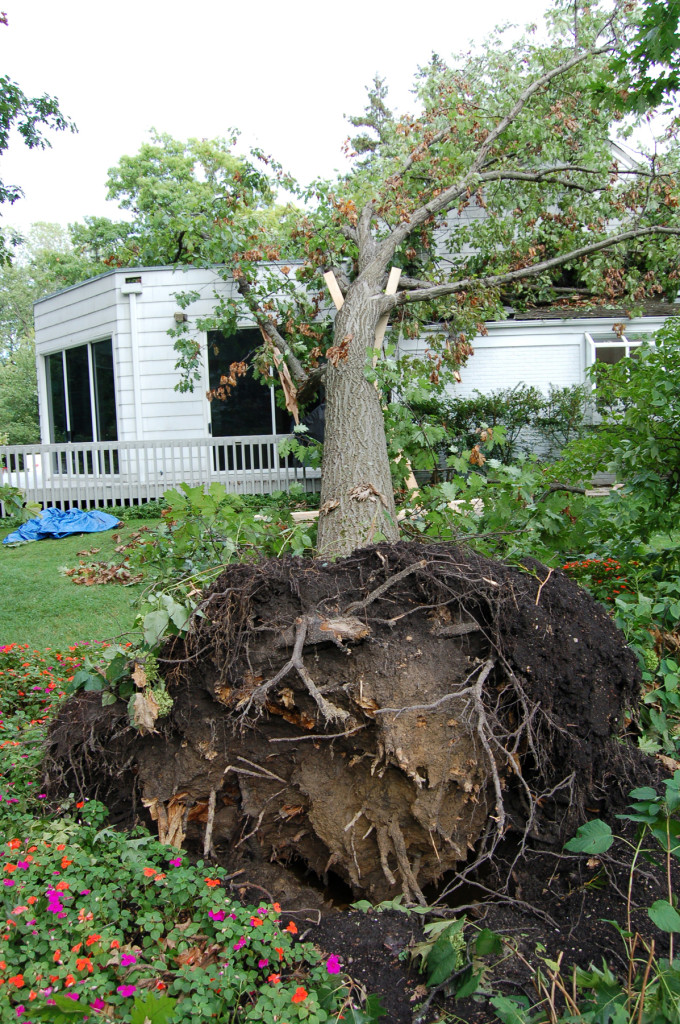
(98, 1004)
(127, 990)
(217, 915)
(127, 959)
(8, 881)
(333, 965)
(176, 862)
(262, 963)
(241, 943)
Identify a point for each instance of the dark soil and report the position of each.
(410, 720)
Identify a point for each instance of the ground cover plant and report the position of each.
(108, 924)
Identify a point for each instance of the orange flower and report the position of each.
(277, 907)
(115, 944)
(80, 803)
(83, 963)
(91, 939)
(61, 846)
(274, 979)
(212, 882)
(32, 995)
(17, 980)
(65, 862)
(32, 899)
(160, 876)
(256, 922)
(77, 948)
(279, 951)
(3, 965)
(292, 928)
(70, 980)
(82, 916)
(160, 985)
(56, 956)
(14, 844)
(299, 996)
(149, 872)
(9, 868)
(62, 886)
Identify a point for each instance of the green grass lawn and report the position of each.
(40, 607)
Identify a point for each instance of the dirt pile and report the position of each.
(389, 718)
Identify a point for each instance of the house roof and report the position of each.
(648, 308)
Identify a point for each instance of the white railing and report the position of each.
(94, 474)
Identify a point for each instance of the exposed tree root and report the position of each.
(391, 718)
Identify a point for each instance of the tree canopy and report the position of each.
(30, 116)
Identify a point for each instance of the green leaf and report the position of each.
(469, 985)
(442, 961)
(153, 1009)
(488, 942)
(594, 837)
(664, 916)
(155, 626)
(511, 1010)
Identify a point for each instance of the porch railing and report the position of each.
(92, 474)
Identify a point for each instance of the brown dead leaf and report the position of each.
(477, 457)
(327, 507)
(139, 676)
(337, 352)
(144, 712)
(287, 697)
(288, 811)
(366, 492)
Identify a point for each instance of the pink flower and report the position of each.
(176, 862)
(262, 963)
(217, 915)
(333, 965)
(126, 990)
(127, 959)
(241, 943)
(98, 1004)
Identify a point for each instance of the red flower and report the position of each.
(299, 996)
(274, 979)
(291, 927)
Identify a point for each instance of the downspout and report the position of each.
(132, 288)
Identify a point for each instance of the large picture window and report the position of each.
(250, 408)
(81, 393)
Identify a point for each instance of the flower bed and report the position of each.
(100, 924)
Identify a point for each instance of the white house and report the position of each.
(114, 429)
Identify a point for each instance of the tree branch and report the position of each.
(271, 330)
(494, 280)
(448, 196)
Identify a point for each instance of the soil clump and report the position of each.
(377, 725)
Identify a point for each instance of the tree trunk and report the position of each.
(357, 503)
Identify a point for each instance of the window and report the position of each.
(606, 350)
(81, 393)
(250, 408)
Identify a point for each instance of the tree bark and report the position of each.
(357, 501)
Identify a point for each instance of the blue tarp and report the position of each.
(56, 524)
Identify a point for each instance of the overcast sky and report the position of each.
(285, 73)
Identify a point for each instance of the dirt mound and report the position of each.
(390, 717)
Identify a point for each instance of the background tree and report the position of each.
(30, 116)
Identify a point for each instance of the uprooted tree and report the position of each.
(398, 713)
(507, 188)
